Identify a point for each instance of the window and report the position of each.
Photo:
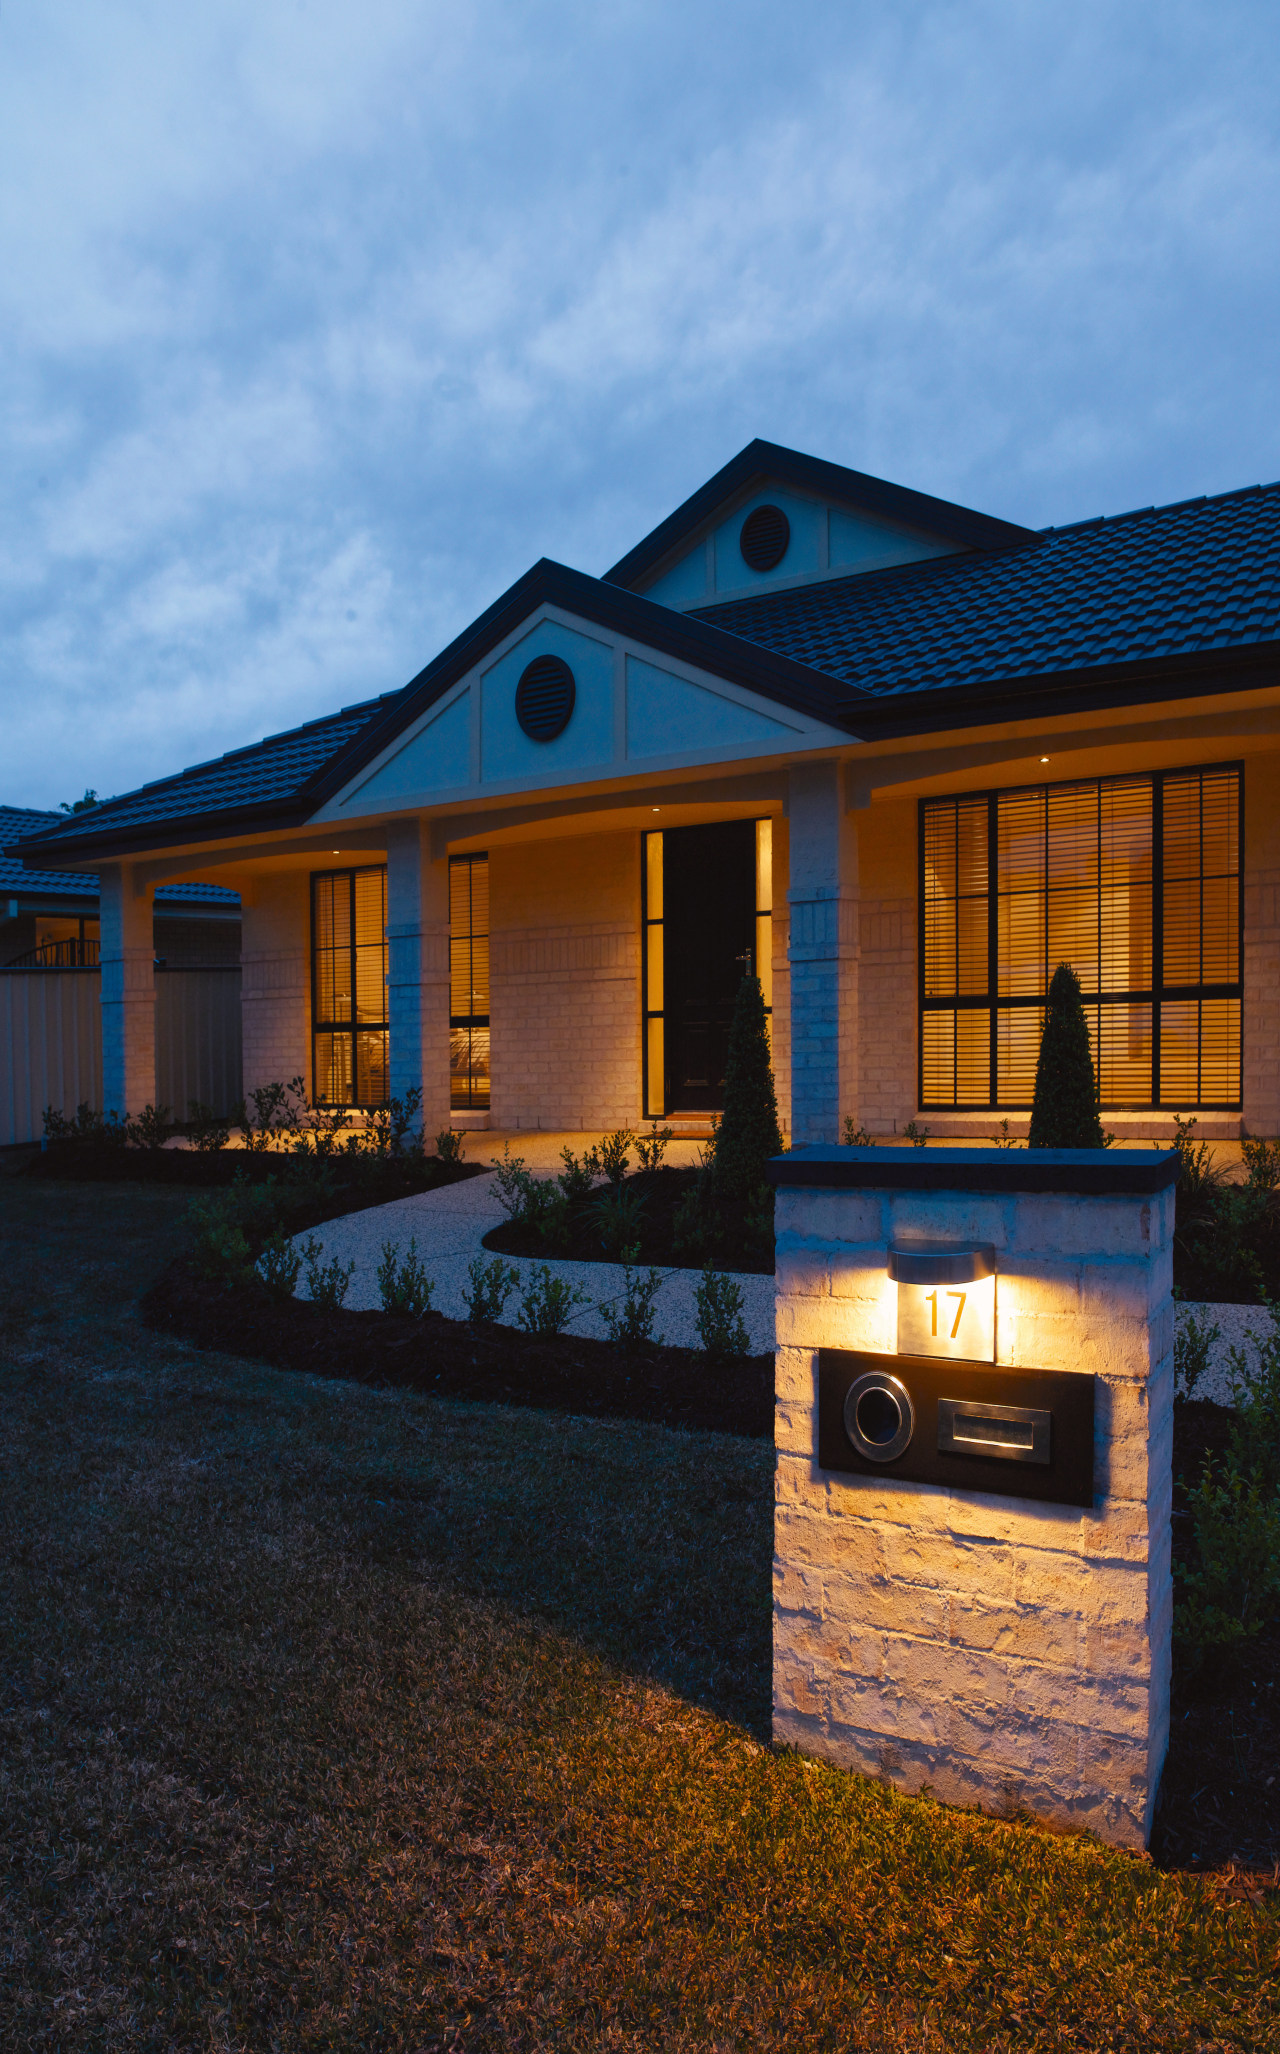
(469, 983)
(1134, 881)
(349, 986)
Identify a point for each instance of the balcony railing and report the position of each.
(58, 955)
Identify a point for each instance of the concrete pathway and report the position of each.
(449, 1227)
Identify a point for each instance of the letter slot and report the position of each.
(1009, 1433)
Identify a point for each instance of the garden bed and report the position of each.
(727, 1236)
(498, 1365)
(386, 1177)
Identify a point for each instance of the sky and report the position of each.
(320, 322)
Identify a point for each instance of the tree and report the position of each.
(1064, 1111)
(748, 1133)
(85, 805)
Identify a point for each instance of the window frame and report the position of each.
(353, 1027)
(1157, 995)
(470, 1023)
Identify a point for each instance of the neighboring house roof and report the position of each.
(1108, 611)
(1156, 586)
(761, 460)
(17, 880)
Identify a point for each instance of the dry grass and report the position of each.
(340, 1719)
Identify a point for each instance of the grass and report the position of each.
(334, 1718)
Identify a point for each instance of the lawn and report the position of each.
(339, 1718)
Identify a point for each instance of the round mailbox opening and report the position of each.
(879, 1417)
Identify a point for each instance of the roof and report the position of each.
(791, 467)
(1109, 611)
(18, 821)
(1153, 586)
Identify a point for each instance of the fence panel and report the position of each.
(198, 1039)
(51, 1043)
(50, 1047)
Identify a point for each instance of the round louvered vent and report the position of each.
(764, 538)
(544, 698)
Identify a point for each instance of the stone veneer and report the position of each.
(992, 1650)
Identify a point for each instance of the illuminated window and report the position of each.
(1134, 881)
(469, 983)
(349, 986)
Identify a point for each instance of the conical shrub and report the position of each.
(748, 1133)
(1064, 1111)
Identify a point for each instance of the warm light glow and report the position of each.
(1044, 759)
(948, 1319)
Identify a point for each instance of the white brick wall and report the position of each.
(1261, 1023)
(997, 1651)
(565, 982)
(275, 988)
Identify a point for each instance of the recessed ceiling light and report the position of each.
(657, 809)
(1044, 759)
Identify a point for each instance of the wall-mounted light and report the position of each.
(946, 1298)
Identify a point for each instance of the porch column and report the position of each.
(127, 955)
(418, 970)
(823, 954)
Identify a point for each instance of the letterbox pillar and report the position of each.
(993, 1648)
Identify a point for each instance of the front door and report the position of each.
(710, 884)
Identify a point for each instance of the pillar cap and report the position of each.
(1091, 1172)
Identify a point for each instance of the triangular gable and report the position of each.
(634, 709)
(839, 522)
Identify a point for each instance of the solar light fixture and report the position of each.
(946, 1298)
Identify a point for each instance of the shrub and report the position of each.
(1193, 1340)
(617, 1216)
(1230, 1589)
(404, 1287)
(856, 1137)
(103, 1130)
(491, 1285)
(278, 1266)
(151, 1129)
(614, 1155)
(229, 1227)
(548, 1303)
(207, 1131)
(449, 1146)
(651, 1147)
(579, 1173)
(917, 1135)
(327, 1282)
(748, 1134)
(1064, 1106)
(721, 1327)
(630, 1322)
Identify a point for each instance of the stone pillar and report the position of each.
(823, 954)
(994, 1650)
(127, 954)
(418, 970)
(275, 977)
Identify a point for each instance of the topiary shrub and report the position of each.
(1064, 1111)
(748, 1134)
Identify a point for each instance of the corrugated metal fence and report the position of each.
(51, 1043)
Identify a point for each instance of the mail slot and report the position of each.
(1022, 1433)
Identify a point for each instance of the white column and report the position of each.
(823, 954)
(127, 954)
(418, 970)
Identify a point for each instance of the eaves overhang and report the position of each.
(760, 460)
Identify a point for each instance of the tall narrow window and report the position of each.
(469, 983)
(1134, 881)
(349, 986)
(652, 931)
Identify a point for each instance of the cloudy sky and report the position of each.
(321, 319)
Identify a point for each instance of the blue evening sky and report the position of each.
(321, 319)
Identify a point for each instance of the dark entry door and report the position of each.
(709, 890)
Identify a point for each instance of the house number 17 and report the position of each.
(931, 1298)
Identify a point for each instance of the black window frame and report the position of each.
(993, 1001)
(476, 1101)
(353, 1027)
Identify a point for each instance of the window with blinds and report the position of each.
(349, 986)
(469, 983)
(1134, 881)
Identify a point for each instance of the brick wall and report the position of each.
(275, 993)
(565, 982)
(995, 1650)
(887, 982)
(1261, 1023)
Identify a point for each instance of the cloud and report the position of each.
(320, 324)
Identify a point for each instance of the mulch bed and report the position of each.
(385, 1177)
(1220, 1793)
(731, 1245)
(451, 1359)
